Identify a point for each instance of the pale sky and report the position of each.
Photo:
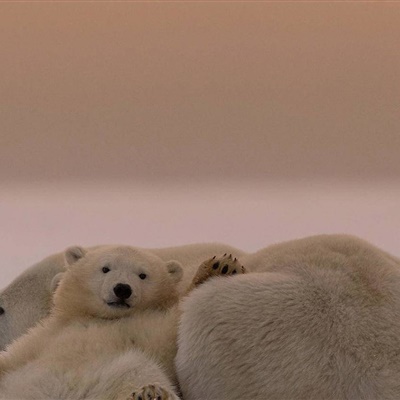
(163, 123)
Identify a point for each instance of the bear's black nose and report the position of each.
(122, 291)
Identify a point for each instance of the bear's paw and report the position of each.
(152, 392)
(226, 265)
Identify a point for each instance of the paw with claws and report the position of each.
(226, 265)
(152, 392)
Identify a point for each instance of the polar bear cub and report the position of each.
(111, 335)
(112, 332)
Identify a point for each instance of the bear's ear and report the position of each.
(175, 271)
(73, 254)
(55, 282)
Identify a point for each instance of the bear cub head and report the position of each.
(115, 281)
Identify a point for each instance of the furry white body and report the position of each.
(95, 345)
(28, 298)
(99, 359)
(322, 322)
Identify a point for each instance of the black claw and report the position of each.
(213, 258)
(234, 272)
(224, 255)
(224, 269)
(215, 265)
(235, 259)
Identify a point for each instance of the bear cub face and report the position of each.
(115, 281)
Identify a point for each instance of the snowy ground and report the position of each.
(39, 219)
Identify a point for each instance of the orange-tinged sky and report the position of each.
(199, 91)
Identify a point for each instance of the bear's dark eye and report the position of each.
(105, 269)
(142, 276)
(2, 311)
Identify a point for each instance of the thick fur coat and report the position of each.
(319, 319)
(112, 331)
(29, 297)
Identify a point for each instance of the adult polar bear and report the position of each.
(322, 322)
(28, 298)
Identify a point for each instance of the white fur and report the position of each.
(88, 348)
(321, 323)
(29, 297)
